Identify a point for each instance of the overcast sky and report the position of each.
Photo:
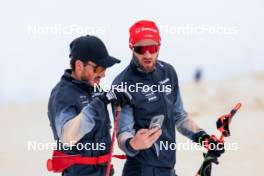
(224, 37)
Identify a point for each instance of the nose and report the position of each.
(147, 54)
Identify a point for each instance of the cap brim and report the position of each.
(107, 62)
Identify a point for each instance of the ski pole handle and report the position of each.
(231, 114)
(205, 169)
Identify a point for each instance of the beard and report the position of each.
(86, 80)
(144, 68)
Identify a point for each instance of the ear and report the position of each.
(79, 65)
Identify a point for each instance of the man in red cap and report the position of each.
(156, 98)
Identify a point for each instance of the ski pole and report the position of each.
(117, 114)
(223, 126)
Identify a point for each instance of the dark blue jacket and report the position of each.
(148, 104)
(68, 99)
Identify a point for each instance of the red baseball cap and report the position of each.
(143, 29)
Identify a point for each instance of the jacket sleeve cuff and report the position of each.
(123, 142)
(199, 136)
(128, 146)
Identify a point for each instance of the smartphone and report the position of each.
(156, 121)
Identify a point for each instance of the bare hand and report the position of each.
(145, 138)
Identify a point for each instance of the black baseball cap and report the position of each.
(91, 48)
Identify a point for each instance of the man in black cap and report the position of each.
(78, 116)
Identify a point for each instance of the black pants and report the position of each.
(133, 168)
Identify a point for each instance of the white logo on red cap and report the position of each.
(149, 29)
(137, 30)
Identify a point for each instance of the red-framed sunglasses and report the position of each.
(150, 48)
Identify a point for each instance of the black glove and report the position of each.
(117, 97)
(214, 146)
